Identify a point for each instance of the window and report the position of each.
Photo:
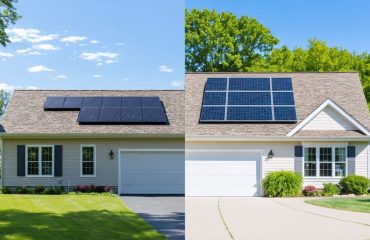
(325, 162)
(40, 160)
(88, 160)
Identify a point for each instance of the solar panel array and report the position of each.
(111, 110)
(248, 100)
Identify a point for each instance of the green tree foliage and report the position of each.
(8, 15)
(224, 42)
(4, 100)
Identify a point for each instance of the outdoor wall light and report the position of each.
(270, 155)
(111, 155)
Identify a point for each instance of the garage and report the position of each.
(152, 172)
(222, 173)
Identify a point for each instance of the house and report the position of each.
(132, 141)
(241, 126)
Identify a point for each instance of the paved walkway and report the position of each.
(263, 218)
(166, 214)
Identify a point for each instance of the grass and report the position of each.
(357, 204)
(61, 217)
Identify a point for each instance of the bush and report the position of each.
(92, 189)
(53, 190)
(6, 190)
(23, 190)
(354, 185)
(282, 184)
(331, 189)
(39, 189)
(309, 191)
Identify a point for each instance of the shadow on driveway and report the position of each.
(165, 214)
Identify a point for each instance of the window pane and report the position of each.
(340, 154)
(33, 160)
(47, 168)
(88, 168)
(46, 160)
(325, 169)
(310, 154)
(340, 169)
(325, 155)
(310, 169)
(87, 154)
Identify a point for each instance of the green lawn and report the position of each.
(68, 217)
(358, 204)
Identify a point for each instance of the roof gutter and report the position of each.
(272, 138)
(90, 135)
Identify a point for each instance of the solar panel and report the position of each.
(88, 115)
(54, 103)
(112, 102)
(110, 115)
(93, 102)
(131, 115)
(154, 115)
(151, 102)
(131, 102)
(248, 100)
(249, 84)
(72, 103)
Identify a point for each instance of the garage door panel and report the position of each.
(232, 174)
(152, 172)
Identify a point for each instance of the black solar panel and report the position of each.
(154, 115)
(131, 102)
(110, 115)
(150, 102)
(131, 115)
(112, 102)
(248, 100)
(72, 103)
(54, 103)
(92, 102)
(88, 115)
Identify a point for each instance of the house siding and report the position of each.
(106, 169)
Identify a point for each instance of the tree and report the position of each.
(216, 42)
(4, 100)
(8, 15)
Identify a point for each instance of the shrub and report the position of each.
(39, 189)
(331, 189)
(92, 189)
(23, 190)
(53, 190)
(6, 190)
(309, 191)
(282, 184)
(354, 185)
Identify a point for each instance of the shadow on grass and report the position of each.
(91, 225)
(171, 225)
(364, 200)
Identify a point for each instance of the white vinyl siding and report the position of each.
(329, 119)
(362, 160)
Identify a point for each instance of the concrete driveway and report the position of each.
(166, 214)
(263, 218)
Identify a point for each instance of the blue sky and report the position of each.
(95, 44)
(343, 23)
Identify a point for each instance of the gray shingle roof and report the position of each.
(25, 114)
(310, 91)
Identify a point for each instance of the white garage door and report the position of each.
(220, 173)
(152, 172)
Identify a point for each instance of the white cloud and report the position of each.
(120, 43)
(11, 88)
(27, 51)
(97, 76)
(39, 68)
(177, 84)
(29, 35)
(165, 68)
(126, 79)
(6, 54)
(32, 88)
(94, 41)
(45, 47)
(73, 39)
(100, 57)
(60, 77)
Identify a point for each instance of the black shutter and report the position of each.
(58, 160)
(351, 151)
(21, 160)
(298, 151)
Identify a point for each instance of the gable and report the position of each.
(329, 119)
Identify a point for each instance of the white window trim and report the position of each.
(87, 145)
(39, 160)
(333, 147)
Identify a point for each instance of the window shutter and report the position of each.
(351, 151)
(58, 160)
(298, 151)
(21, 160)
